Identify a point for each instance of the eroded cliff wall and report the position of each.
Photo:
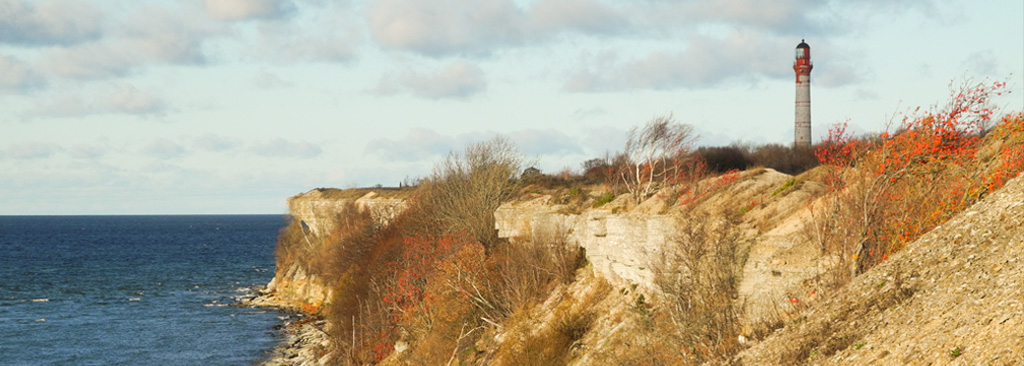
(623, 245)
(619, 246)
(771, 211)
(295, 286)
(317, 208)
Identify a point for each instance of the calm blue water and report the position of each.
(134, 290)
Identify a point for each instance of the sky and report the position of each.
(232, 106)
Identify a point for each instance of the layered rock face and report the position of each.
(619, 246)
(294, 287)
(622, 245)
(316, 209)
(625, 246)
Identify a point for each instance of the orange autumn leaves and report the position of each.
(894, 187)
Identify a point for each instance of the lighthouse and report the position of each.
(803, 66)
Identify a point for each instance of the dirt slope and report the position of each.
(955, 296)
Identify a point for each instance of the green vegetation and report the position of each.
(789, 184)
(603, 199)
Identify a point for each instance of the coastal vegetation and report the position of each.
(436, 285)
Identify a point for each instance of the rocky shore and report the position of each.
(305, 339)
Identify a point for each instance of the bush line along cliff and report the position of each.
(662, 255)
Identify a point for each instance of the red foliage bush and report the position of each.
(893, 189)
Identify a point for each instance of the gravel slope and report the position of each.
(955, 296)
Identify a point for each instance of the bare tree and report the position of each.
(655, 153)
(465, 189)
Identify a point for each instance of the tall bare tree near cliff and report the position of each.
(654, 153)
(465, 189)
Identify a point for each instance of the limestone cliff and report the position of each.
(622, 245)
(295, 286)
(777, 264)
(317, 208)
(626, 245)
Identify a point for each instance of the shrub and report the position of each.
(900, 185)
(465, 189)
(332, 255)
(699, 282)
(786, 159)
(523, 273)
(603, 199)
(721, 159)
(437, 274)
(555, 342)
(596, 170)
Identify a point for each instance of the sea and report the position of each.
(136, 290)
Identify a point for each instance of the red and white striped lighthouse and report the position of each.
(803, 66)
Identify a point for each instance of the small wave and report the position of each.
(134, 298)
(40, 300)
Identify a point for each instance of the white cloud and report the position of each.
(545, 142)
(782, 17)
(982, 63)
(323, 32)
(290, 42)
(211, 142)
(588, 16)
(473, 27)
(706, 62)
(15, 75)
(128, 99)
(281, 148)
(446, 26)
(585, 113)
(151, 35)
(268, 80)
(459, 79)
(419, 144)
(110, 99)
(248, 9)
(838, 74)
(32, 150)
(45, 23)
(422, 145)
(163, 149)
(598, 140)
(87, 151)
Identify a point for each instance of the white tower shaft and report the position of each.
(803, 109)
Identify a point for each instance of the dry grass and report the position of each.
(699, 280)
(554, 339)
(354, 193)
(822, 339)
(333, 255)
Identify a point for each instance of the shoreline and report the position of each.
(304, 338)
